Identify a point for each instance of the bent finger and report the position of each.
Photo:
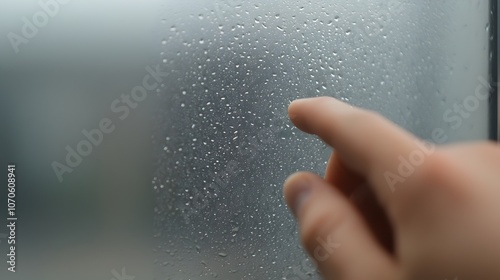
(334, 233)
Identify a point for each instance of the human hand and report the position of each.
(375, 217)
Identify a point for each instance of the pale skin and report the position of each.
(442, 222)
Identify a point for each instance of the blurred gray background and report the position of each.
(188, 185)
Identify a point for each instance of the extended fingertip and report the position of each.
(299, 100)
(297, 189)
(292, 112)
(300, 110)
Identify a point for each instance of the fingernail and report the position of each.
(301, 191)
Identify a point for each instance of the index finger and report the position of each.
(365, 142)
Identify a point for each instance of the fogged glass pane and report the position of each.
(224, 144)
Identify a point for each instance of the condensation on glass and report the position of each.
(224, 144)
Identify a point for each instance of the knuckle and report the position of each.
(365, 115)
(433, 172)
(435, 167)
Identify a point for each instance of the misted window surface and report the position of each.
(223, 141)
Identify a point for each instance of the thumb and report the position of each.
(333, 232)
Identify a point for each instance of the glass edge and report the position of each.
(494, 48)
